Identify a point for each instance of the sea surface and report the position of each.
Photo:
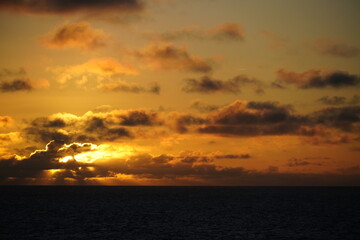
(99, 212)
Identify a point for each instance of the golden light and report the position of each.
(98, 152)
(53, 171)
(65, 159)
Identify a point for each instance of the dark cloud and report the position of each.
(139, 117)
(172, 171)
(336, 49)
(60, 7)
(16, 85)
(270, 118)
(195, 159)
(233, 156)
(166, 56)
(45, 135)
(240, 118)
(317, 79)
(36, 165)
(15, 80)
(104, 131)
(345, 118)
(181, 122)
(254, 118)
(46, 122)
(208, 84)
(130, 88)
(78, 34)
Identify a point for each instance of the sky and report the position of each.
(180, 92)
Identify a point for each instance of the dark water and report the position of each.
(179, 213)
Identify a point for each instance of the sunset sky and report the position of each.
(180, 92)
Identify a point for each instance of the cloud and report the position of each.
(16, 85)
(138, 117)
(315, 78)
(65, 7)
(15, 80)
(226, 31)
(73, 35)
(6, 121)
(166, 56)
(208, 85)
(129, 87)
(240, 118)
(252, 119)
(99, 69)
(234, 156)
(41, 162)
(326, 126)
(339, 100)
(180, 122)
(295, 162)
(334, 100)
(188, 32)
(203, 107)
(330, 47)
(104, 126)
(78, 163)
(346, 118)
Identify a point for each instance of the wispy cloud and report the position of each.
(96, 68)
(230, 31)
(203, 107)
(129, 87)
(75, 35)
(334, 100)
(325, 46)
(315, 78)
(166, 56)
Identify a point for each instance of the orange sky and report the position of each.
(208, 92)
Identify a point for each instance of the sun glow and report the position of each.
(65, 159)
(53, 171)
(91, 152)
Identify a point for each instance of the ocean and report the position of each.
(112, 212)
